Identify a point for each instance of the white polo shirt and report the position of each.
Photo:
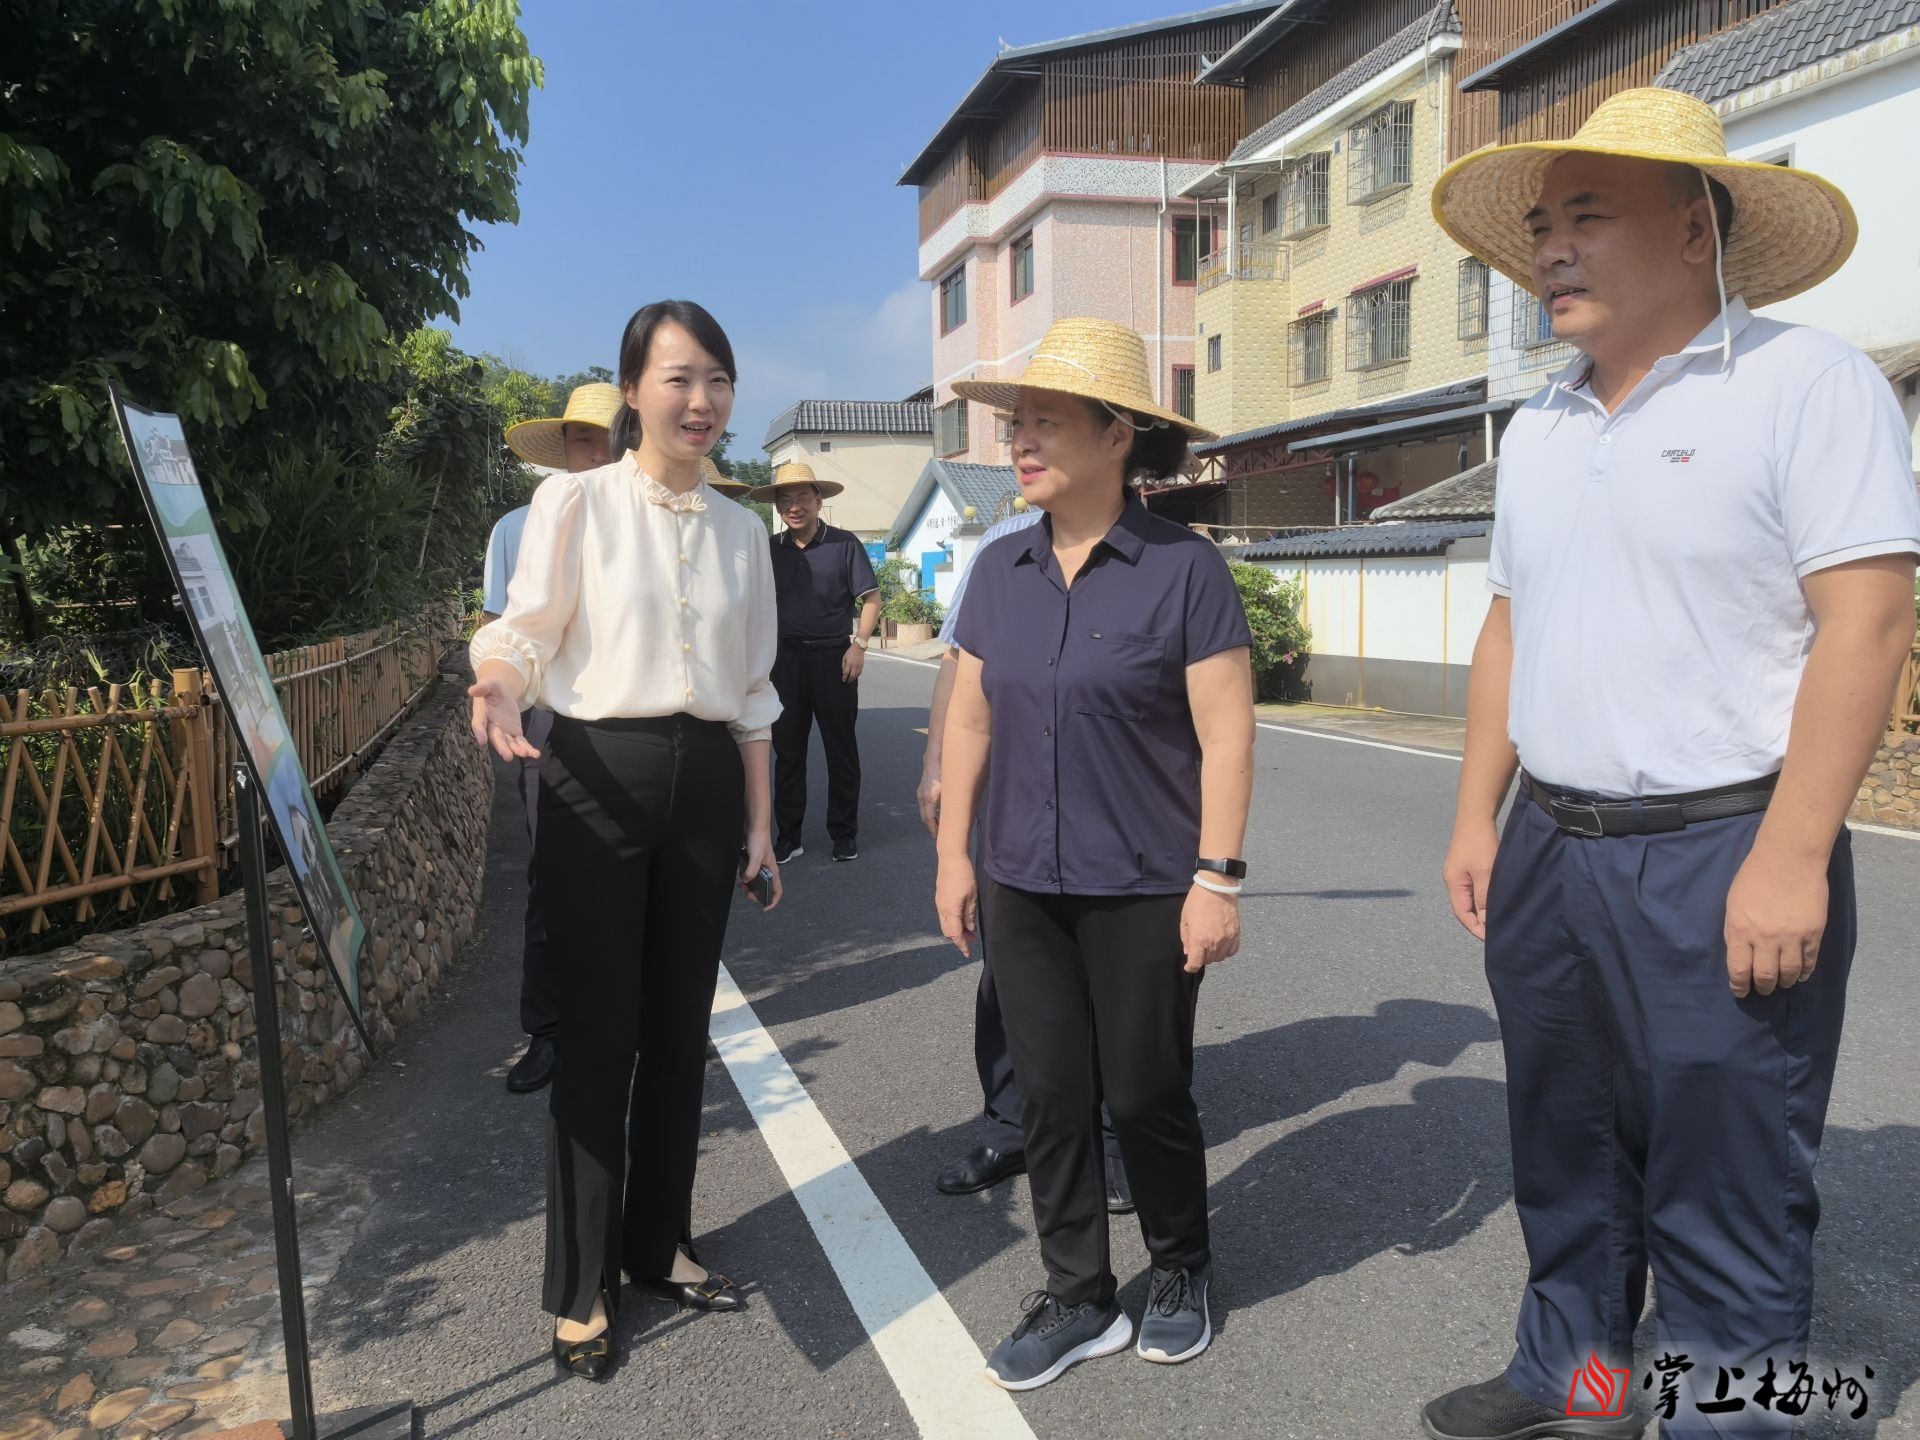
(1654, 556)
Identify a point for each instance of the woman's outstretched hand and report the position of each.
(956, 895)
(496, 721)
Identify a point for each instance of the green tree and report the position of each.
(1280, 635)
(230, 207)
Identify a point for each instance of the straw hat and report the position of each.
(1094, 359)
(540, 442)
(1791, 229)
(794, 472)
(710, 472)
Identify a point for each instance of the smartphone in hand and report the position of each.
(761, 887)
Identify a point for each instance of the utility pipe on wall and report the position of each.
(1160, 287)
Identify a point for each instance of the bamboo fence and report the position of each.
(113, 795)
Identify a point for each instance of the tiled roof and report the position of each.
(1358, 540)
(1466, 496)
(852, 417)
(1377, 61)
(981, 486)
(1461, 392)
(1779, 41)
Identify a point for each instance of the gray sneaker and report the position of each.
(1175, 1325)
(1052, 1338)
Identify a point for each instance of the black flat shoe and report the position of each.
(590, 1359)
(981, 1168)
(716, 1293)
(533, 1070)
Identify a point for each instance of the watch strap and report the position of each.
(1234, 869)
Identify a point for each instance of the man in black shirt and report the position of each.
(819, 574)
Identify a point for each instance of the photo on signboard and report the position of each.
(164, 468)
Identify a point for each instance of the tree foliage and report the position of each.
(231, 207)
(1280, 635)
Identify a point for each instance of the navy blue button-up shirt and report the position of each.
(1094, 784)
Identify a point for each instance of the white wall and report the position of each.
(1859, 133)
(931, 530)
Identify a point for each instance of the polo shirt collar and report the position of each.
(1574, 376)
(1127, 538)
(819, 534)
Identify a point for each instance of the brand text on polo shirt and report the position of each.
(1677, 457)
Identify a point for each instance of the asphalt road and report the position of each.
(1350, 1081)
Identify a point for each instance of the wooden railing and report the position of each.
(1906, 699)
(110, 789)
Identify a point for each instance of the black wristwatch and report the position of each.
(1232, 869)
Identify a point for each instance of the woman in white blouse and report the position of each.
(642, 615)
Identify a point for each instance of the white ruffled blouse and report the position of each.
(629, 601)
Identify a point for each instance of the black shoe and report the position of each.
(715, 1294)
(845, 850)
(589, 1359)
(1052, 1338)
(783, 852)
(533, 1070)
(1119, 1192)
(1176, 1325)
(1494, 1410)
(982, 1168)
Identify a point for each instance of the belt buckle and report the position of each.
(1564, 810)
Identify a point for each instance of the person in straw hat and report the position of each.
(576, 442)
(1113, 737)
(820, 573)
(1702, 574)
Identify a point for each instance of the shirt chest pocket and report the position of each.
(1119, 674)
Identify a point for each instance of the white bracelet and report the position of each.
(1216, 887)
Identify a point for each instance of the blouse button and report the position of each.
(684, 646)
(683, 559)
(683, 599)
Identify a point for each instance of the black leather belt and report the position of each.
(814, 642)
(1593, 819)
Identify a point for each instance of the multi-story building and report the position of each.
(1050, 192)
(875, 448)
(1342, 335)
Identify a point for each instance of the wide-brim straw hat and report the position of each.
(794, 472)
(542, 442)
(1094, 359)
(710, 472)
(1791, 229)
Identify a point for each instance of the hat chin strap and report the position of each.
(1719, 275)
(1124, 419)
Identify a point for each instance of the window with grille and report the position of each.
(953, 301)
(1192, 238)
(1213, 353)
(1380, 325)
(1303, 190)
(950, 428)
(1270, 213)
(1183, 390)
(1532, 322)
(1380, 152)
(1473, 298)
(1307, 348)
(1021, 256)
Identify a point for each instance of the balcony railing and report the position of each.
(1249, 262)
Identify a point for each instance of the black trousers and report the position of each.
(641, 823)
(811, 691)
(1095, 1000)
(1001, 1108)
(1656, 1118)
(538, 1015)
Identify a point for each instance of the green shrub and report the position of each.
(1280, 637)
(901, 598)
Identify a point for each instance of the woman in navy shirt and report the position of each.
(1104, 667)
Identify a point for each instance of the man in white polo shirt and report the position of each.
(1703, 575)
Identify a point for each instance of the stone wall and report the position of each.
(1891, 793)
(129, 1068)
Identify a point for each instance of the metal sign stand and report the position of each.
(393, 1421)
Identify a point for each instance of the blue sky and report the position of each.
(745, 156)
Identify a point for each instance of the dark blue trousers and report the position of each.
(1655, 1118)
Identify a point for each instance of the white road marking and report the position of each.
(933, 1361)
(905, 659)
(1895, 832)
(1353, 740)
